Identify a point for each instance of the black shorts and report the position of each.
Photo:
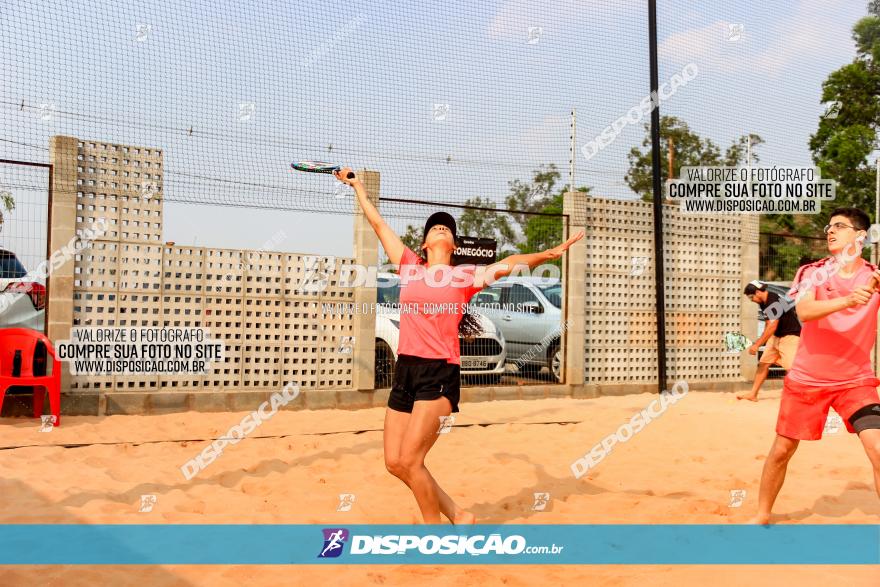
(416, 378)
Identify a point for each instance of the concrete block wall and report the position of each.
(273, 332)
(273, 327)
(707, 261)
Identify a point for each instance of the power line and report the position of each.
(225, 137)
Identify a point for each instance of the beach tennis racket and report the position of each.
(319, 167)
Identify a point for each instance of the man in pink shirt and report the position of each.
(425, 391)
(836, 301)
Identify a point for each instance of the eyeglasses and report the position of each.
(837, 226)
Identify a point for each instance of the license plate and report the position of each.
(468, 363)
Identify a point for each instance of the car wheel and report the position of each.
(384, 366)
(554, 362)
(530, 369)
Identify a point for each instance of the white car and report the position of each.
(528, 313)
(482, 358)
(22, 299)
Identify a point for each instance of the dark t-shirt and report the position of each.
(788, 322)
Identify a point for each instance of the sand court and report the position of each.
(295, 468)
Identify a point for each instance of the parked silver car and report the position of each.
(22, 299)
(482, 357)
(528, 312)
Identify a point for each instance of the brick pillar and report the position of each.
(573, 304)
(366, 253)
(62, 228)
(748, 313)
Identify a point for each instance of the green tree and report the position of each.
(544, 232)
(738, 152)
(412, 238)
(535, 199)
(523, 231)
(689, 149)
(532, 196)
(844, 140)
(7, 202)
(488, 223)
(847, 132)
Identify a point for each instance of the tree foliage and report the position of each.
(689, 149)
(847, 133)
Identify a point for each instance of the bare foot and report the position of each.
(464, 518)
(749, 395)
(760, 520)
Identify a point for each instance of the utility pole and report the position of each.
(875, 252)
(659, 281)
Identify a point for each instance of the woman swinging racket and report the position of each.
(426, 381)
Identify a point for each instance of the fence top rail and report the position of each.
(28, 163)
(469, 207)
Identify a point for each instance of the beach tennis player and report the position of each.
(781, 336)
(837, 305)
(425, 388)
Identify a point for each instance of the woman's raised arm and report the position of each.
(392, 244)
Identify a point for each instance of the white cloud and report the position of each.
(703, 44)
(514, 17)
(545, 141)
(813, 31)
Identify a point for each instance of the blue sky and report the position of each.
(365, 76)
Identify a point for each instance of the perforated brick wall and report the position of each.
(703, 274)
(123, 184)
(273, 331)
(265, 306)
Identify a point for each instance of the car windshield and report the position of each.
(553, 293)
(10, 266)
(388, 292)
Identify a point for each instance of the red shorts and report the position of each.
(803, 409)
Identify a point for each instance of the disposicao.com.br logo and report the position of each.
(431, 544)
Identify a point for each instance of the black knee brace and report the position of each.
(867, 418)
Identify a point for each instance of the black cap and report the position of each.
(443, 219)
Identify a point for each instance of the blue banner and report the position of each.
(439, 544)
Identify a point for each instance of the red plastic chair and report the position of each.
(25, 340)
